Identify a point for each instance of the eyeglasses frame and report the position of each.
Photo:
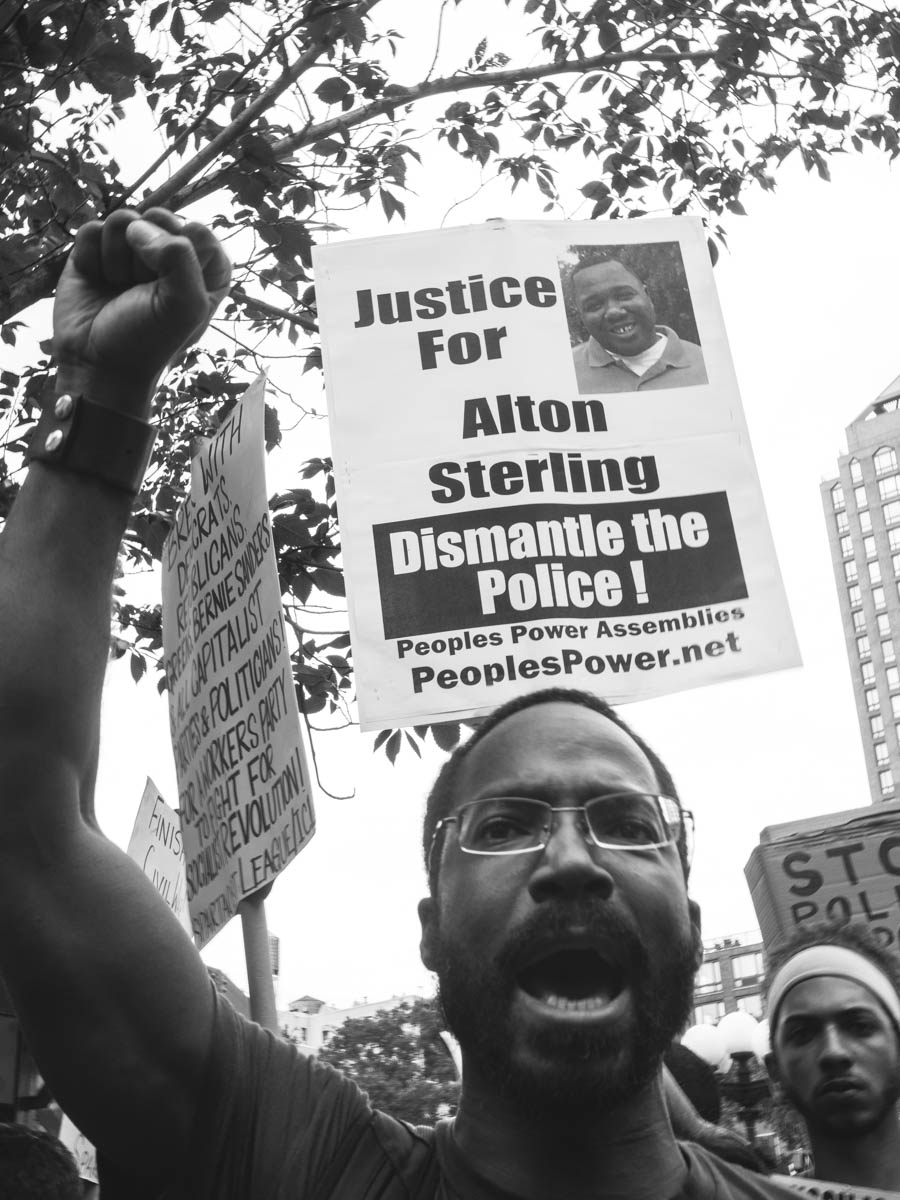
(683, 838)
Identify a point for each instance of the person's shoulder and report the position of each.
(579, 352)
(710, 1176)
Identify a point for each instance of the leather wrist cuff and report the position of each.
(90, 439)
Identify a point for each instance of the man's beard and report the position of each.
(578, 1068)
(849, 1125)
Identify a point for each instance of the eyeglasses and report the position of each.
(620, 821)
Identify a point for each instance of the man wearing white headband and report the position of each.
(834, 1018)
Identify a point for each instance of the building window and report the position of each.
(865, 522)
(888, 654)
(895, 563)
(872, 700)
(891, 512)
(876, 724)
(860, 498)
(868, 673)
(881, 754)
(859, 621)
(709, 977)
(895, 707)
(843, 522)
(855, 471)
(862, 647)
(837, 497)
(894, 539)
(847, 547)
(892, 675)
(869, 547)
(709, 1014)
(874, 572)
(747, 968)
(889, 487)
(885, 460)
(854, 595)
(884, 625)
(851, 574)
(886, 782)
(878, 597)
(751, 1004)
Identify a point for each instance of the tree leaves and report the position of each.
(283, 124)
(398, 1058)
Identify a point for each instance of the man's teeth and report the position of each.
(587, 1004)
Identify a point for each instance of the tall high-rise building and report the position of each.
(862, 511)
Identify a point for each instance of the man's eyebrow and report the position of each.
(854, 1010)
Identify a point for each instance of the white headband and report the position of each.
(816, 961)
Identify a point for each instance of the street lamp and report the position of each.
(743, 1038)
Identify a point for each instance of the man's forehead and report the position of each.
(604, 274)
(558, 740)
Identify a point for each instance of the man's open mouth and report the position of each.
(575, 980)
(623, 330)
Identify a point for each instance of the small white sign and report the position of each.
(157, 848)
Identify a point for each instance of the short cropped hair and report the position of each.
(852, 935)
(600, 258)
(34, 1165)
(442, 796)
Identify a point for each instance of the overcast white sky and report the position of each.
(809, 295)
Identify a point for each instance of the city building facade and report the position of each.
(862, 513)
(730, 978)
(310, 1022)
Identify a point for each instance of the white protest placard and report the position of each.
(518, 508)
(81, 1150)
(823, 1190)
(243, 786)
(156, 846)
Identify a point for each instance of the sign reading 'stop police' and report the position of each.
(543, 468)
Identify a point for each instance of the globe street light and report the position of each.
(743, 1041)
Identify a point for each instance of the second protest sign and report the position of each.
(243, 785)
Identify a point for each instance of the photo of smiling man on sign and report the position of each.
(626, 349)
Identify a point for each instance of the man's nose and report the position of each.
(569, 863)
(833, 1050)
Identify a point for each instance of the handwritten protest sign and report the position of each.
(519, 508)
(824, 1190)
(81, 1150)
(156, 846)
(836, 866)
(244, 795)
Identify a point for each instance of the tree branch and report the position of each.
(451, 83)
(271, 310)
(167, 192)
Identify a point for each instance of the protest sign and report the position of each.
(518, 509)
(843, 865)
(81, 1150)
(823, 1190)
(243, 786)
(156, 846)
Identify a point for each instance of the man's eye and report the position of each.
(495, 831)
(798, 1035)
(633, 829)
(861, 1026)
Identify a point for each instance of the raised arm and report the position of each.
(113, 997)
